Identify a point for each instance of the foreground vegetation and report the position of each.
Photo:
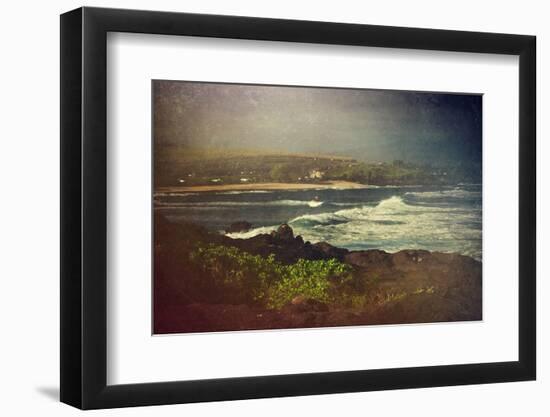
(265, 282)
(208, 282)
(244, 277)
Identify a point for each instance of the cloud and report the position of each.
(366, 124)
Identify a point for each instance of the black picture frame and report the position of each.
(84, 207)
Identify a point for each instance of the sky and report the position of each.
(369, 125)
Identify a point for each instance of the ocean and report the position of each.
(444, 219)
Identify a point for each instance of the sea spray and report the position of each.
(446, 219)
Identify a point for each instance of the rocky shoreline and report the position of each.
(410, 286)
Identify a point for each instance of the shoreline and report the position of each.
(267, 186)
(377, 287)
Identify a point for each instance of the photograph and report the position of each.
(264, 209)
(281, 207)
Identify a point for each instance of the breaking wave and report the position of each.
(392, 225)
(455, 193)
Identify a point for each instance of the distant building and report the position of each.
(315, 174)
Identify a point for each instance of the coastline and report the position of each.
(409, 286)
(344, 185)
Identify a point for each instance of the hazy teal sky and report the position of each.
(365, 124)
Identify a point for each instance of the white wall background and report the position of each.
(29, 226)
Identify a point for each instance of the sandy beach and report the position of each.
(262, 186)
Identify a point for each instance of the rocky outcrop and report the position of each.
(331, 251)
(409, 286)
(369, 257)
(286, 247)
(283, 233)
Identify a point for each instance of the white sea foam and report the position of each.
(391, 225)
(251, 233)
(338, 204)
(454, 193)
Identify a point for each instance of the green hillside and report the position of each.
(179, 166)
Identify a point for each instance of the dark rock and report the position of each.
(286, 248)
(435, 286)
(366, 258)
(406, 258)
(331, 251)
(239, 227)
(284, 233)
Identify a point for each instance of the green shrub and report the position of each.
(242, 277)
(310, 279)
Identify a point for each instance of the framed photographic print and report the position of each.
(257, 207)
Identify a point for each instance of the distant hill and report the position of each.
(181, 166)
